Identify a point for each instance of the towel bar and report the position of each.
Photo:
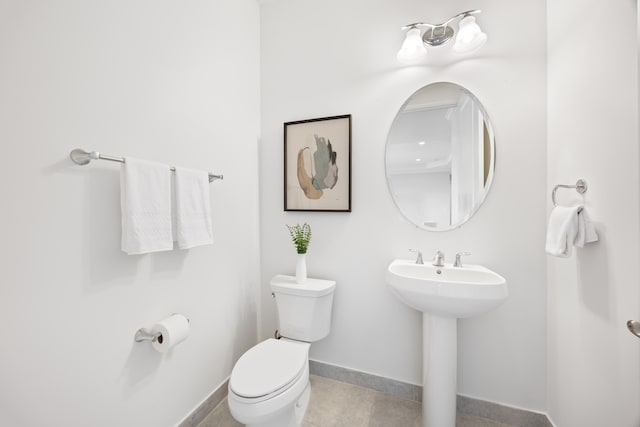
(581, 187)
(82, 157)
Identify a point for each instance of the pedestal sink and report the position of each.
(443, 294)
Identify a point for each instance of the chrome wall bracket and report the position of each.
(144, 334)
(438, 34)
(634, 327)
(81, 157)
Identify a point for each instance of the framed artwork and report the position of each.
(317, 165)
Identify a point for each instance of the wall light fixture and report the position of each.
(468, 39)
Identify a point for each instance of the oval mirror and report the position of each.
(440, 157)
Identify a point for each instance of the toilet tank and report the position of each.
(304, 310)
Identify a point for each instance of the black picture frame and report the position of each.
(317, 164)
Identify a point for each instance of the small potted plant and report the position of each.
(301, 236)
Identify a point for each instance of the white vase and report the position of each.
(301, 268)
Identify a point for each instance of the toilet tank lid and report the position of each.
(311, 288)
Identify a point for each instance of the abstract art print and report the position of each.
(317, 164)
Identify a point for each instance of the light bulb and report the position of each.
(412, 50)
(470, 37)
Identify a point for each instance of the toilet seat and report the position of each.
(268, 369)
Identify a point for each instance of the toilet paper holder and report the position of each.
(144, 334)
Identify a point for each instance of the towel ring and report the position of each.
(581, 187)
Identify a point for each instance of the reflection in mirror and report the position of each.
(440, 157)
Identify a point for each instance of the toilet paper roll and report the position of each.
(173, 330)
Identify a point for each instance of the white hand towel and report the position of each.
(145, 199)
(193, 208)
(562, 230)
(586, 230)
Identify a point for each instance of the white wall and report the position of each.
(150, 79)
(323, 58)
(594, 369)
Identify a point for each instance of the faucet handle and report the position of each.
(438, 259)
(458, 262)
(419, 259)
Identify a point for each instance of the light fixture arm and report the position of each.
(462, 15)
(444, 24)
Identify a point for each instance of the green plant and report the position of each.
(301, 236)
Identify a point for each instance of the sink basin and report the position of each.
(446, 291)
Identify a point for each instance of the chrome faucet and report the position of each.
(438, 259)
(419, 259)
(458, 262)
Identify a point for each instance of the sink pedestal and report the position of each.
(439, 370)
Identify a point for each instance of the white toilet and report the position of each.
(269, 385)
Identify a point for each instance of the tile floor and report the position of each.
(334, 403)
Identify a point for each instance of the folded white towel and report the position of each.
(568, 226)
(562, 230)
(193, 208)
(586, 230)
(145, 198)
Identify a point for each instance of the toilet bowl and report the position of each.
(269, 385)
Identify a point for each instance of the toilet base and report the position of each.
(302, 404)
(291, 416)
